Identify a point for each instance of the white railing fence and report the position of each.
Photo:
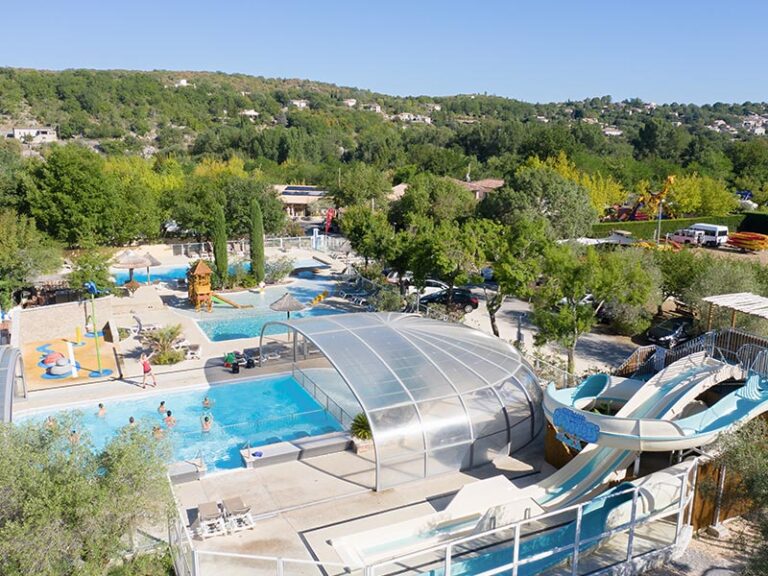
(515, 537)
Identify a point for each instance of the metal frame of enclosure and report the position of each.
(439, 397)
(12, 382)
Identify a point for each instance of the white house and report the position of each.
(372, 108)
(250, 113)
(35, 135)
(300, 104)
(758, 131)
(350, 102)
(612, 131)
(181, 83)
(297, 198)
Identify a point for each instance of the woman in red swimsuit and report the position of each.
(147, 368)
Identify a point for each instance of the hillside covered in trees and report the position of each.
(297, 130)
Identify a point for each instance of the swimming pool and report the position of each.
(260, 411)
(170, 273)
(250, 326)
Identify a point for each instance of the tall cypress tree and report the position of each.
(257, 241)
(220, 244)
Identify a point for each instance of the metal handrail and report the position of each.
(686, 497)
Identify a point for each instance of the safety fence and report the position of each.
(241, 248)
(330, 405)
(626, 524)
(564, 537)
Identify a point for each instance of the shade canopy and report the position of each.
(439, 396)
(287, 303)
(152, 260)
(129, 260)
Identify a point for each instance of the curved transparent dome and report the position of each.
(438, 396)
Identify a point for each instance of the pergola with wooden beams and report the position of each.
(744, 302)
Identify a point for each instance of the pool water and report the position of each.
(170, 273)
(250, 326)
(258, 412)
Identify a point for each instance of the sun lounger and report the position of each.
(237, 513)
(193, 352)
(210, 520)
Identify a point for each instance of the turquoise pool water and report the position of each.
(169, 273)
(250, 326)
(259, 412)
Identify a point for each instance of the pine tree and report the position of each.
(220, 244)
(257, 241)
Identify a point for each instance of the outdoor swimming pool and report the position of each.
(250, 326)
(169, 273)
(260, 411)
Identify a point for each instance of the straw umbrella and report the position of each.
(287, 303)
(130, 260)
(152, 262)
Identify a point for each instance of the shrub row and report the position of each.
(647, 229)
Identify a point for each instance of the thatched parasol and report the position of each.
(129, 260)
(152, 262)
(287, 303)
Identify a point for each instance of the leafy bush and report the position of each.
(387, 299)
(277, 269)
(162, 341)
(293, 229)
(361, 428)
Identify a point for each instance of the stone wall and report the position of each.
(60, 320)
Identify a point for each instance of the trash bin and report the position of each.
(235, 367)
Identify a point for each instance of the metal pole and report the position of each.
(447, 563)
(631, 538)
(95, 332)
(577, 542)
(682, 507)
(516, 550)
(658, 222)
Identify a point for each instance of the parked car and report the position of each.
(430, 287)
(714, 234)
(394, 278)
(671, 332)
(462, 299)
(687, 236)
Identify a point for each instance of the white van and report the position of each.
(714, 234)
(688, 236)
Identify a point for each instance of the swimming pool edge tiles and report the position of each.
(149, 392)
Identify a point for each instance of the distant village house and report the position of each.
(35, 135)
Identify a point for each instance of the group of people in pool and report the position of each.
(206, 421)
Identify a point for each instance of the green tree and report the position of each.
(680, 272)
(68, 508)
(369, 232)
(516, 255)
(24, 253)
(220, 244)
(358, 184)
(90, 264)
(73, 199)
(560, 311)
(257, 241)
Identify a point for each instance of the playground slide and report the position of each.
(662, 395)
(230, 302)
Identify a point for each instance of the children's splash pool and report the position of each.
(225, 322)
(260, 411)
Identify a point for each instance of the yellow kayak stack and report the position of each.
(748, 241)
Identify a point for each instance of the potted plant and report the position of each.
(361, 434)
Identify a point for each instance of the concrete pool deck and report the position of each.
(299, 506)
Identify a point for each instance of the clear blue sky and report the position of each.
(662, 51)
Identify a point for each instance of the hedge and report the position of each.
(646, 229)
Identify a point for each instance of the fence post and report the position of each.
(682, 507)
(447, 563)
(516, 550)
(577, 542)
(280, 567)
(632, 518)
(196, 563)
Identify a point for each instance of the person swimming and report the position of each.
(207, 402)
(162, 409)
(102, 411)
(207, 423)
(50, 423)
(169, 420)
(157, 432)
(131, 421)
(74, 437)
